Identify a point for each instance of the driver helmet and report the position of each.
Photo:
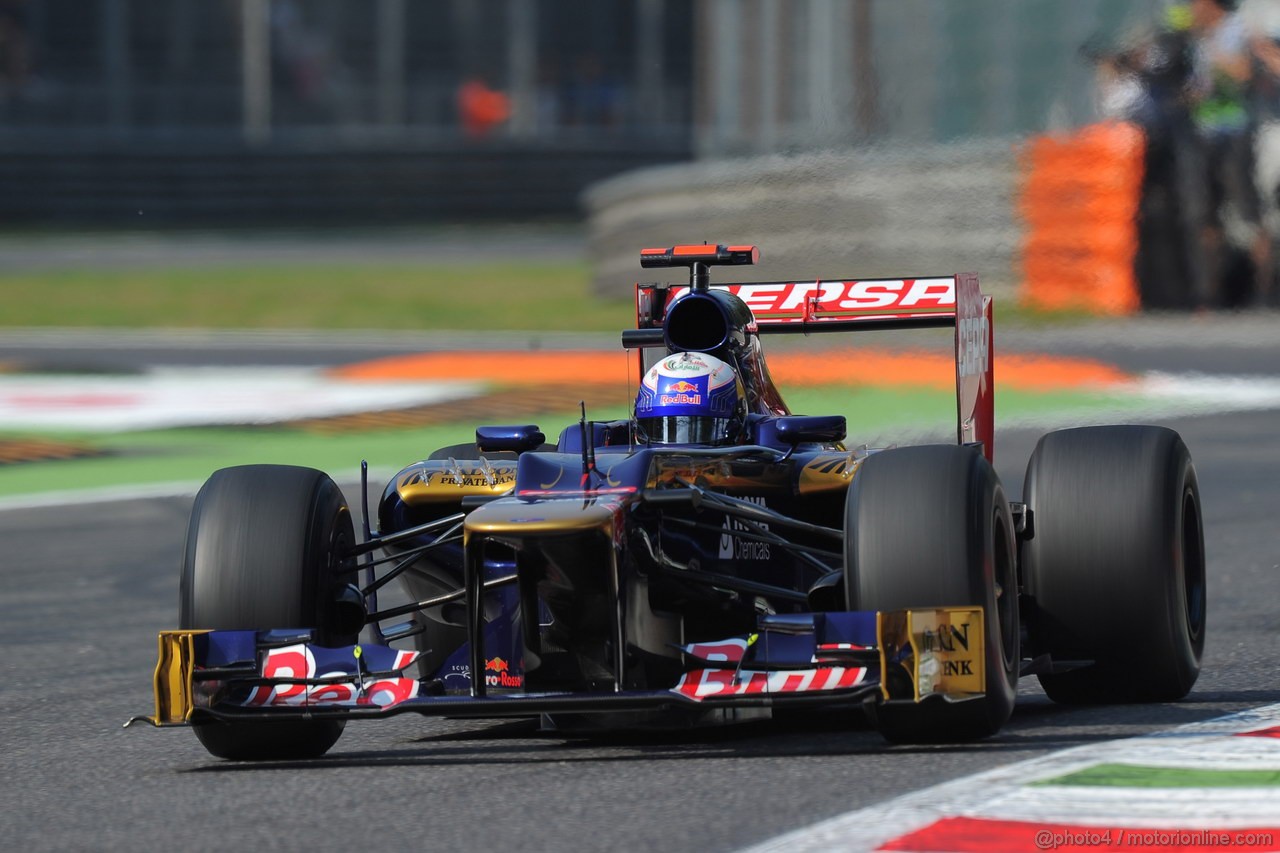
(690, 398)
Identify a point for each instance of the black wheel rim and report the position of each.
(1193, 570)
(1006, 593)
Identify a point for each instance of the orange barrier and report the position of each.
(840, 366)
(1078, 201)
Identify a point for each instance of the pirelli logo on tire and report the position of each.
(938, 651)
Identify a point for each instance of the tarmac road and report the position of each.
(86, 589)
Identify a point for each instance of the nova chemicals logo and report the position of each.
(734, 547)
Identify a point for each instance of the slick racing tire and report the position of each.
(1115, 568)
(260, 554)
(930, 527)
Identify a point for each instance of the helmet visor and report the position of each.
(684, 430)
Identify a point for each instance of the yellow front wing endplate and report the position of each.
(938, 652)
(173, 691)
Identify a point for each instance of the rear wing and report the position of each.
(855, 304)
(805, 307)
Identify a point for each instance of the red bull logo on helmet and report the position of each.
(688, 385)
(682, 392)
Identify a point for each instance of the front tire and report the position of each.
(261, 553)
(1115, 569)
(930, 527)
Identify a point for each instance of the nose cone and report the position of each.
(543, 518)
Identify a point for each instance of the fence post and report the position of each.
(391, 65)
(255, 66)
(115, 62)
(522, 65)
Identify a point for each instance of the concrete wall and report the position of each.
(885, 212)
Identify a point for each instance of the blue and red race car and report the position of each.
(709, 559)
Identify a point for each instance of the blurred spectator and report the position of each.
(547, 116)
(307, 67)
(14, 48)
(593, 97)
(1145, 81)
(302, 55)
(1262, 21)
(1222, 73)
(1262, 17)
(481, 108)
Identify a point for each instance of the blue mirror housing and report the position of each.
(801, 429)
(515, 438)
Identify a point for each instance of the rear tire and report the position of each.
(930, 527)
(260, 554)
(1115, 570)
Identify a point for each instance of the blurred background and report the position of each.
(867, 137)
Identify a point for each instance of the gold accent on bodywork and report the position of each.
(451, 480)
(174, 665)
(947, 651)
(828, 472)
(718, 473)
(552, 484)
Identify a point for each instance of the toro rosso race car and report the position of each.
(710, 559)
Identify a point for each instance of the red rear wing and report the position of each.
(800, 303)
(846, 305)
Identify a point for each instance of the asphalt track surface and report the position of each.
(86, 589)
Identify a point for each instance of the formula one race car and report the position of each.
(712, 558)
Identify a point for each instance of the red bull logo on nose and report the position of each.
(502, 677)
(682, 387)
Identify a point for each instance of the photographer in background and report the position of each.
(1262, 19)
(1145, 81)
(1236, 245)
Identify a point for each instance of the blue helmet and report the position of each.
(690, 398)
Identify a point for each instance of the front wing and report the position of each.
(903, 656)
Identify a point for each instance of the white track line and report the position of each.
(170, 397)
(1003, 793)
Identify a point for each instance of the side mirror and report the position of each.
(802, 429)
(513, 438)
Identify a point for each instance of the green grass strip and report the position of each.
(1142, 776)
(489, 296)
(878, 416)
(482, 296)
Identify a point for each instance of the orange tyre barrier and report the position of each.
(1078, 201)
